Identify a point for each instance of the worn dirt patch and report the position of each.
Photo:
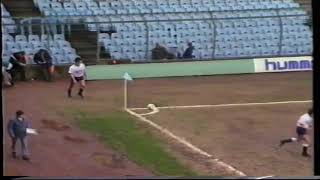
(74, 139)
(55, 125)
(46, 106)
(113, 160)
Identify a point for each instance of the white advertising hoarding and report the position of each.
(283, 64)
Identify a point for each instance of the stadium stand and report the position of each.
(61, 49)
(7, 19)
(91, 7)
(241, 28)
(12, 42)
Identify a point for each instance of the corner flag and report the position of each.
(126, 76)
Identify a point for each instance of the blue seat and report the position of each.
(68, 5)
(134, 11)
(103, 36)
(104, 5)
(81, 5)
(72, 57)
(37, 44)
(6, 58)
(57, 37)
(21, 38)
(24, 45)
(68, 50)
(56, 51)
(92, 4)
(33, 38)
(63, 43)
(56, 6)
(7, 38)
(11, 45)
(44, 37)
(43, 5)
(116, 55)
(288, 51)
(60, 59)
(98, 12)
(69, 8)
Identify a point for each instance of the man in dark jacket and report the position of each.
(44, 59)
(17, 129)
(18, 62)
(188, 52)
(160, 52)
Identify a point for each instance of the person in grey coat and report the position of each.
(17, 129)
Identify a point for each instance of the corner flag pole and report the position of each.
(127, 78)
(125, 94)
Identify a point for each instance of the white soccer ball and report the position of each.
(151, 106)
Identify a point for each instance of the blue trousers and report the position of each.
(24, 145)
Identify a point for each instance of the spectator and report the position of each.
(160, 52)
(17, 129)
(188, 53)
(18, 62)
(44, 60)
(6, 77)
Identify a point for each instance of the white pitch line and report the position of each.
(264, 177)
(186, 143)
(226, 105)
(154, 111)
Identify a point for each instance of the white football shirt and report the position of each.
(305, 121)
(77, 71)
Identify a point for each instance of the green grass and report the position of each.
(123, 134)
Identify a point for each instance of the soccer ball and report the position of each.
(151, 106)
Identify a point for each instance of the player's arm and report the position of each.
(85, 74)
(72, 76)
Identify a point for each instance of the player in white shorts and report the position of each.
(78, 75)
(303, 125)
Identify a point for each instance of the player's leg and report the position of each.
(13, 147)
(82, 87)
(292, 139)
(71, 84)
(305, 145)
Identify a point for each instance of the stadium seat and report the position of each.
(33, 38)
(68, 50)
(63, 43)
(24, 45)
(57, 37)
(21, 38)
(60, 59)
(7, 38)
(55, 51)
(37, 44)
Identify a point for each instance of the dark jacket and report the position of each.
(42, 57)
(161, 52)
(188, 53)
(17, 128)
(17, 59)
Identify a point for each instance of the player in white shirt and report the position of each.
(303, 125)
(78, 75)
